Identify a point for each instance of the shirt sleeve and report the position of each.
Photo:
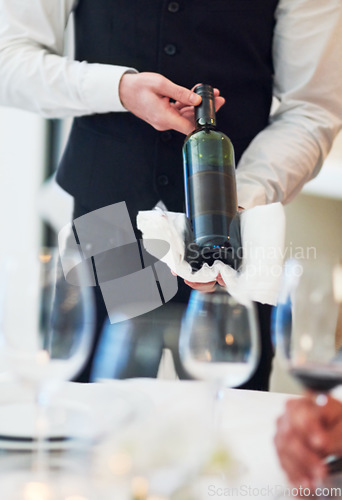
(34, 73)
(307, 55)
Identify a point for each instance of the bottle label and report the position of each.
(210, 190)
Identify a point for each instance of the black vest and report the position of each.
(228, 43)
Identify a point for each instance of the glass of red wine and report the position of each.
(305, 327)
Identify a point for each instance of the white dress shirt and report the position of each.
(307, 53)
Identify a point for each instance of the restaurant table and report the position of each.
(166, 417)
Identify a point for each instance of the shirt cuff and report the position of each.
(100, 87)
(250, 194)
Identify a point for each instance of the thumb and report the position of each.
(180, 94)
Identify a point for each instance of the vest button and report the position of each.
(170, 49)
(163, 180)
(166, 136)
(173, 7)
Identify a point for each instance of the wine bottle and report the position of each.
(210, 189)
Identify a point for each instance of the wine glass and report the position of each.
(46, 326)
(219, 341)
(305, 325)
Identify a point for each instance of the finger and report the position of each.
(296, 476)
(292, 471)
(170, 118)
(215, 89)
(331, 417)
(330, 414)
(220, 280)
(178, 93)
(302, 416)
(181, 117)
(219, 102)
(202, 287)
(188, 113)
(179, 105)
(331, 411)
(179, 123)
(300, 462)
(197, 84)
(334, 438)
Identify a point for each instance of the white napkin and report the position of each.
(262, 235)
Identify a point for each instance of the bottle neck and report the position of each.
(205, 115)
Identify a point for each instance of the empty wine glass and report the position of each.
(305, 325)
(46, 324)
(219, 341)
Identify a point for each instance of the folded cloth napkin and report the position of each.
(262, 236)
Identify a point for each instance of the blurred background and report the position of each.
(33, 208)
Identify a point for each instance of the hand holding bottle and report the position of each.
(189, 111)
(204, 287)
(147, 95)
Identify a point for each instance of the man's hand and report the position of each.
(147, 95)
(206, 287)
(306, 434)
(202, 287)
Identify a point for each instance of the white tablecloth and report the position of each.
(248, 426)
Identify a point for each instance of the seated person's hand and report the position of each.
(147, 95)
(306, 434)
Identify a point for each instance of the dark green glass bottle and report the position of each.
(210, 189)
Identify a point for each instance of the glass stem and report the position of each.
(40, 456)
(217, 410)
